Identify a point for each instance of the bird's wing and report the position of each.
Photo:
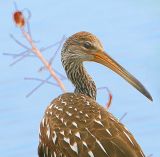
(112, 137)
(76, 126)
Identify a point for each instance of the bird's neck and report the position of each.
(81, 79)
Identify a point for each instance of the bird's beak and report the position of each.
(106, 60)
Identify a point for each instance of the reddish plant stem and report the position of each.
(44, 61)
(110, 97)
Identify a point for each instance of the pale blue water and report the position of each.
(130, 32)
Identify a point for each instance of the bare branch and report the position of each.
(26, 53)
(15, 55)
(122, 117)
(41, 80)
(44, 61)
(15, 5)
(54, 55)
(61, 75)
(36, 88)
(19, 59)
(60, 44)
(18, 42)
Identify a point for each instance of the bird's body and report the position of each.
(74, 124)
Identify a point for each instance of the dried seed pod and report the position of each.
(19, 18)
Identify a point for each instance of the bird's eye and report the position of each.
(87, 45)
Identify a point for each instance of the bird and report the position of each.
(74, 124)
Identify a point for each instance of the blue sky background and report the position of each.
(130, 33)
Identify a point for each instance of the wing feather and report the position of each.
(85, 129)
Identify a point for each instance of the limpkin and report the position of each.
(74, 124)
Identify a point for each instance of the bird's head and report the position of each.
(84, 46)
(81, 47)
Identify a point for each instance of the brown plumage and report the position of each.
(74, 124)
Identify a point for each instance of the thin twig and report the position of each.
(61, 75)
(15, 55)
(43, 82)
(15, 5)
(122, 117)
(44, 61)
(18, 42)
(19, 59)
(26, 53)
(55, 53)
(60, 44)
(29, 29)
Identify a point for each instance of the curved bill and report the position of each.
(106, 60)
